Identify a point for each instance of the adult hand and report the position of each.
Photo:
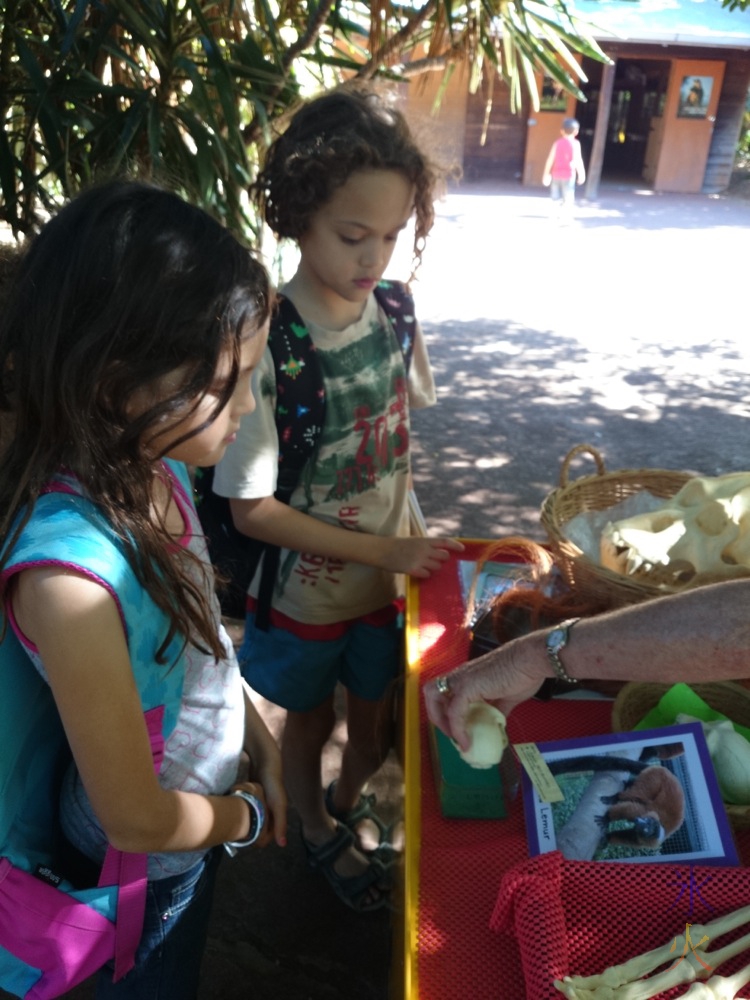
(500, 678)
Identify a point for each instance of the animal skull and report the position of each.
(730, 756)
(704, 530)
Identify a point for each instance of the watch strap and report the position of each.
(556, 640)
(257, 822)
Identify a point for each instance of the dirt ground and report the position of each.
(627, 330)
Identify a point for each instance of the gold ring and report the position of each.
(443, 686)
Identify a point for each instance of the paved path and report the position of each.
(628, 331)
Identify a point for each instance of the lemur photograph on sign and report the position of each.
(648, 796)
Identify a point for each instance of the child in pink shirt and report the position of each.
(564, 166)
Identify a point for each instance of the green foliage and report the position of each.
(163, 89)
(186, 92)
(521, 39)
(743, 146)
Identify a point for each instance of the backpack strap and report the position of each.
(398, 305)
(300, 396)
(300, 415)
(129, 871)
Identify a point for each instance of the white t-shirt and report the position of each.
(360, 477)
(201, 754)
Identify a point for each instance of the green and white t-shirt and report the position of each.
(360, 476)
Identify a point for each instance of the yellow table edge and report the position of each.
(412, 781)
(412, 812)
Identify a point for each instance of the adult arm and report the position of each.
(700, 635)
(272, 521)
(76, 627)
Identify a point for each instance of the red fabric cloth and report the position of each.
(494, 924)
(579, 917)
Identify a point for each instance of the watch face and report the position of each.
(555, 638)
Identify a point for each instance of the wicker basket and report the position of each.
(594, 583)
(637, 699)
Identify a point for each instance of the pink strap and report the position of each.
(128, 871)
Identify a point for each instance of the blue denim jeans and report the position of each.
(168, 961)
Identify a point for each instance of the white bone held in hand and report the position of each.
(485, 725)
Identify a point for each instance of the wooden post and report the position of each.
(594, 167)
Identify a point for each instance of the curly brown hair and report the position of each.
(327, 140)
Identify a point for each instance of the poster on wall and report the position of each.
(554, 97)
(695, 95)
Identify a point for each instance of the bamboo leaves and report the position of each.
(187, 91)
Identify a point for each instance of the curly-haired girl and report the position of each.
(343, 181)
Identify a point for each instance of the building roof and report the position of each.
(683, 22)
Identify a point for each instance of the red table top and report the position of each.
(454, 867)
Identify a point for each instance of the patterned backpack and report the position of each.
(300, 414)
(53, 935)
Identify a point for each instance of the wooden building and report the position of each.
(665, 114)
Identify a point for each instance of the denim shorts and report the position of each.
(301, 673)
(168, 960)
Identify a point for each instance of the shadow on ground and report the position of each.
(514, 401)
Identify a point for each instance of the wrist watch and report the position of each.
(555, 641)
(257, 821)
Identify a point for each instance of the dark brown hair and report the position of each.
(128, 283)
